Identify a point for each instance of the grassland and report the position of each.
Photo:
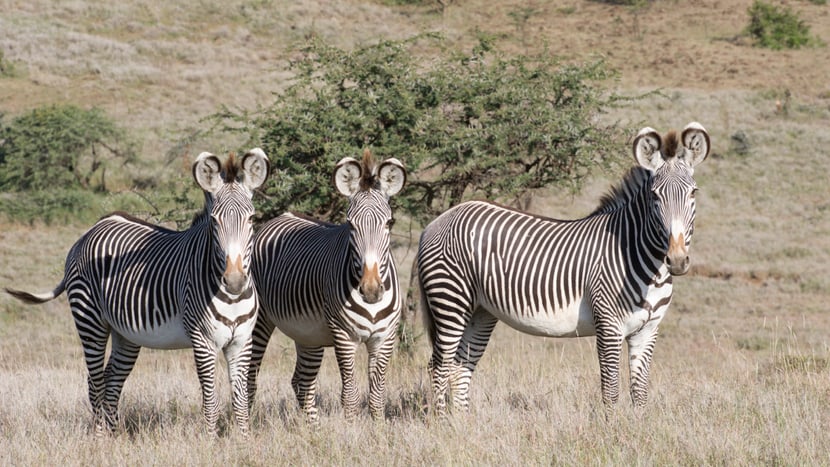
(740, 375)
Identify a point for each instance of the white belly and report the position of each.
(170, 335)
(310, 332)
(575, 320)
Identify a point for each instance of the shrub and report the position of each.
(60, 146)
(466, 125)
(777, 28)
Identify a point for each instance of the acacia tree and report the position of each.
(60, 146)
(475, 124)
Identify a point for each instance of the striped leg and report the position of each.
(238, 356)
(121, 362)
(640, 351)
(261, 335)
(473, 343)
(609, 349)
(205, 356)
(344, 351)
(379, 356)
(94, 334)
(304, 381)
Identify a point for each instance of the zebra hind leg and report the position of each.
(119, 366)
(473, 343)
(304, 380)
(94, 335)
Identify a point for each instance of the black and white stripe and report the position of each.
(147, 286)
(609, 274)
(329, 285)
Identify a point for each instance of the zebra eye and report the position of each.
(390, 222)
(694, 193)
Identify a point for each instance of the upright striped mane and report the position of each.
(230, 169)
(620, 195)
(368, 179)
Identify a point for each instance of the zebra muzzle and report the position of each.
(371, 287)
(234, 279)
(677, 257)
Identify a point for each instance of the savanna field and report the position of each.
(741, 370)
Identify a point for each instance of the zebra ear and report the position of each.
(696, 143)
(207, 172)
(347, 176)
(392, 177)
(255, 165)
(647, 149)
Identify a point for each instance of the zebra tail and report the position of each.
(34, 299)
(426, 313)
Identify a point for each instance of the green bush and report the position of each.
(60, 146)
(478, 124)
(777, 28)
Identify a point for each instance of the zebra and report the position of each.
(608, 275)
(334, 285)
(147, 286)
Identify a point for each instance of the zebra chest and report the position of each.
(648, 313)
(232, 319)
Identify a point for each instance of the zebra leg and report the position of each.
(473, 343)
(205, 355)
(304, 381)
(344, 351)
(121, 362)
(609, 349)
(94, 334)
(640, 351)
(238, 356)
(261, 335)
(379, 355)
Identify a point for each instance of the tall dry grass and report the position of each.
(740, 374)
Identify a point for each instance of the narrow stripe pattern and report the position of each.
(327, 285)
(146, 286)
(608, 275)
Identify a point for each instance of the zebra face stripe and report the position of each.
(232, 214)
(369, 217)
(674, 201)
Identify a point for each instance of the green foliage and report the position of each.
(466, 125)
(778, 28)
(58, 205)
(60, 146)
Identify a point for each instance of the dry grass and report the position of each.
(740, 375)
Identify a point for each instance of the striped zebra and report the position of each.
(608, 275)
(329, 285)
(147, 286)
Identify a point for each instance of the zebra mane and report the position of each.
(637, 179)
(231, 169)
(368, 177)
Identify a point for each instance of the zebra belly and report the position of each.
(168, 335)
(575, 320)
(310, 331)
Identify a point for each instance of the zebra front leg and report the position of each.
(379, 356)
(121, 362)
(640, 352)
(238, 356)
(259, 343)
(304, 381)
(473, 344)
(344, 351)
(205, 355)
(609, 348)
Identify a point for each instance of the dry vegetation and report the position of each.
(740, 375)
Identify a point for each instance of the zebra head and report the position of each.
(228, 192)
(369, 186)
(672, 164)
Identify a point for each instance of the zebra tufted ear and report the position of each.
(696, 143)
(347, 176)
(392, 176)
(207, 172)
(647, 149)
(255, 165)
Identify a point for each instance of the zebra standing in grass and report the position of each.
(152, 287)
(329, 285)
(609, 274)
